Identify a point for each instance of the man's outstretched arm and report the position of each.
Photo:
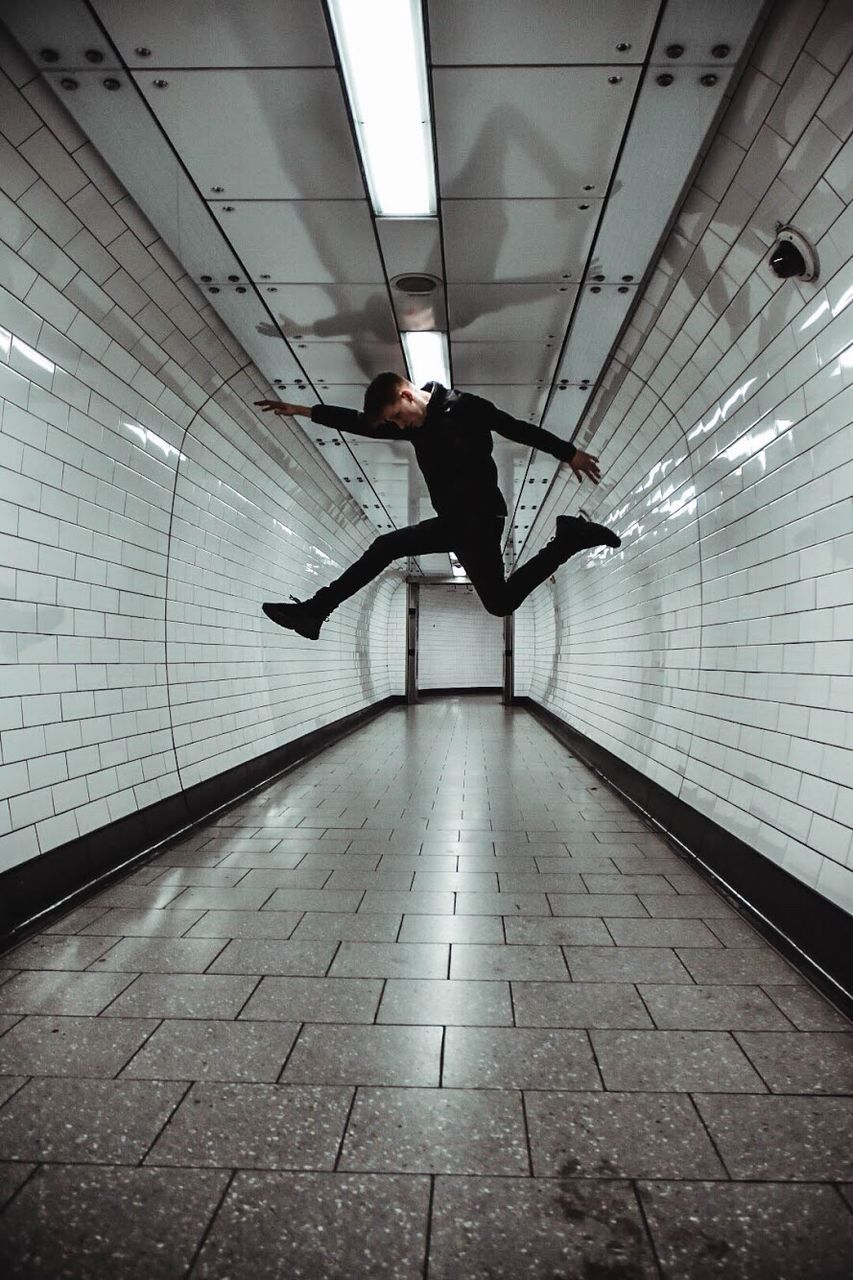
(330, 415)
(582, 464)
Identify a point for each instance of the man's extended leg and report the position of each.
(307, 617)
(479, 552)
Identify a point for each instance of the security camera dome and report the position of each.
(793, 255)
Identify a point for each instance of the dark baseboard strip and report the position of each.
(455, 690)
(35, 891)
(811, 931)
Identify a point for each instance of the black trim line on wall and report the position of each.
(812, 932)
(63, 877)
(446, 691)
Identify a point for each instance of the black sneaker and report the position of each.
(580, 533)
(296, 617)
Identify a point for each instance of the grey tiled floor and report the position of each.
(435, 1004)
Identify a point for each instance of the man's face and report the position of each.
(406, 411)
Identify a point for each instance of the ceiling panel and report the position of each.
(62, 26)
(650, 178)
(304, 241)
(410, 244)
(529, 131)
(564, 413)
(460, 31)
(354, 361)
(319, 312)
(699, 28)
(501, 362)
(267, 134)
(522, 240)
(509, 312)
(596, 323)
(218, 33)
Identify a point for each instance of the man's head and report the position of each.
(392, 398)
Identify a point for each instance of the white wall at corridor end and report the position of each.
(713, 651)
(136, 659)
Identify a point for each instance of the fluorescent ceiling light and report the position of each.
(426, 356)
(381, 47)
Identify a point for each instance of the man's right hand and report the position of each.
(282, 409)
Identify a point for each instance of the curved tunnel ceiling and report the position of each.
(565, 139)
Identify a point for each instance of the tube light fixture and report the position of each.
(427, 356)
(381, 47)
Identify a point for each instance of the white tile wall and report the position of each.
(460, 645)
(137, 659)
(713, 651)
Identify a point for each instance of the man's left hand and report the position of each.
(584, 464)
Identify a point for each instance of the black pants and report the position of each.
(477, 544)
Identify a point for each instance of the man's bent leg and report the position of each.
(307, 617)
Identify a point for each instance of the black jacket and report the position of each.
(454, 446)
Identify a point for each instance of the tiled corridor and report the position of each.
(435, 1003)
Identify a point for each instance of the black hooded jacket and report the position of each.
(454, 447)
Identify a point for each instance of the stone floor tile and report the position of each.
(159, 955)
(704, 1230)
(137, 1224)
(262, 1126)
(509, 1228)
(236, 899)
(428, 1002)
(10, 1085)
(502, 904)
(13, 1175)
(578, 1004)
(510, 1058)
(86, 1121)
(695, 906)
(387, 880)
(541, 882)
(801, 1061)
(332, 861)
(596, 904)
(51, 992)
(146, 923)
(246, 924)
(56, 952)
(71, 1046)
(182, 995)
(337, 1226)
(456, 881)
(137, 897)
(731, 965)
(625, 964)
(343, 926)
(8, 1020)
(626, 883)
(781, 1138)
(71, 921)
(365, 1055)
(272, 956)
(808, 1010)
(676, 1006)
(582, 931)
(436, 1131)
(201, 877)
(271, 878)
(190, 1049)
(390, 960)
(408, 903)
(674, 1061)
(618, 1135)
(315, 1000)
(736, 933)
(483, 960)
(280, 858)
(660, 933)
(314, 900)
(452, 929)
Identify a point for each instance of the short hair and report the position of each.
(383, 391)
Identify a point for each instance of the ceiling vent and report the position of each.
(416, 285)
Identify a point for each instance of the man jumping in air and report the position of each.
(451, 432)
